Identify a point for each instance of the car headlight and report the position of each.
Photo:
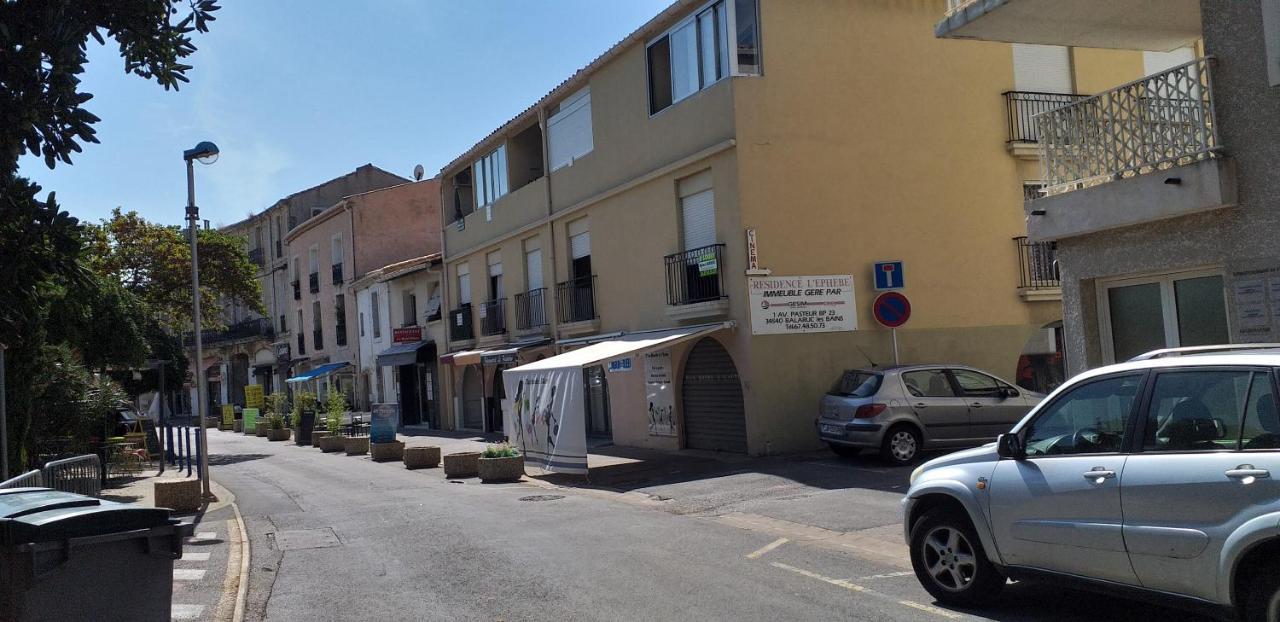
(916, 474)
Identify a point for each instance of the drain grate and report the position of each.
(541, 497)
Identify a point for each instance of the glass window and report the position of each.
(928, 383)
(709, 47)
(659, 74)
(684, 62)
(1261, 429)
(974, 384)
(856, 383)
(1137, 320)
(1087, 419)
(748, 36)
(1202, 312)
(376, 315)
(1196, 410)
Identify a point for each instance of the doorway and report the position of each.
(497, 395)
(599, 424)
(1165, 311)
(714, 417)
(409, 403)
(472, 398)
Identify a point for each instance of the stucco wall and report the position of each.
(394, 224)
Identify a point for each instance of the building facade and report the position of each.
(1161, 222)
(685, 177)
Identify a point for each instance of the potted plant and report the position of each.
(304, 416)
(354, 445)
(501, 463)
(275, 404)
(278, 431)
(335, 407)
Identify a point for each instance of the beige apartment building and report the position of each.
(730, 162)
(335, 248)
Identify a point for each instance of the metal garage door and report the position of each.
(713, 414)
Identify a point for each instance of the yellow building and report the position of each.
(833, 135)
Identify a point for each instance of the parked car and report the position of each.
(904, 409)
(1151, 477)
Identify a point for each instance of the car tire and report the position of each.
(1262, 600)
(949, 561)
(844, 451)
(901, 445)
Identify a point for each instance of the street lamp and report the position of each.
(207, 153)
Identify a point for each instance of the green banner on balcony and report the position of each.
(707, 265)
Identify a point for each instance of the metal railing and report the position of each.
(30, 479)
(531, 309)
(297, 290)
(576, 299)
(79, 474)
(460, 327)
(256, 257)
(340, 334)
(695, 275)
(955, 6)
(493, 317)
(279, 249)
(1022, 108)
(317, 338)
(302, 343)
(337, 273)
(1037, 264)
(1157, 122)
(247, 329)
(313, 282)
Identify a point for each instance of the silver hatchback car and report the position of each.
(904, 409)
(1156, 477)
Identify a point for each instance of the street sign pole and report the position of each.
(895, 345)
(4, 424)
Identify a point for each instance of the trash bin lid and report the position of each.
(43, 515)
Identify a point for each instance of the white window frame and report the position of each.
(1168, 304)
(375, 314)
(575, 104)
(729, 48)
(313, 258)
(335, 250)
(495, 160)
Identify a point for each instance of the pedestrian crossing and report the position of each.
(190, 571)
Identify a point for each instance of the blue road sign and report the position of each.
(888, 275)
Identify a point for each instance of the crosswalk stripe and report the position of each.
(188, 574)
(194, 557)
(185, 612)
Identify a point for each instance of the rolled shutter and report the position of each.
(533, 268)
(698, 215)
(569, 130)
(580, 245)
(1042, 68)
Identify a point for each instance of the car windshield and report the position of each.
(856, 383)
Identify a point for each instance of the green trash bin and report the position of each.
(65, 556)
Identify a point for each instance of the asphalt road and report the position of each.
(339, 538)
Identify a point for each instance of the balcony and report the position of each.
(1118, 24)
(1038, 270)
(340, 334)
(1141, 152)
(695, 283)
(576, 300)
(493, 317)
(302, 344)
(531, 310)
(297, 289)
(317, 339)
(256, 257)
(248, 329)
(460, 326)
(1021, 108)
(337, 273)
(313, 282)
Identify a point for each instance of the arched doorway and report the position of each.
(472, 398)
(714, 417)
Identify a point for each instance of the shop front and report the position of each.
(482, 396)
(413, 361)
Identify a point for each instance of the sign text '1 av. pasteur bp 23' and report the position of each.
(783, 305)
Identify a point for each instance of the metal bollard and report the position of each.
(188, 453)
(200, 439)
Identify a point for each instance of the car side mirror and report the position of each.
(1008, 392)
(1009, 445)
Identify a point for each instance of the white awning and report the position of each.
(622, 345)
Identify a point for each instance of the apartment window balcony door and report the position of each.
(1141, 314)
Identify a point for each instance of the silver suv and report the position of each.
(1152, 477)
(904, 409)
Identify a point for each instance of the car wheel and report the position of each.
(844, 451)
(901, 445)
(1262, 601)
(949, 561)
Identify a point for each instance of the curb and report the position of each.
(243, 592)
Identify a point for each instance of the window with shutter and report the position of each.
(698, 215)
(533, 268)
(464, 284)
(569, 135)
(1042, 68)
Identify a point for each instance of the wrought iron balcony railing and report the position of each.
(1037, 264)
(531, 309)
(247, 329)
(493, 317)
(313, 281)
(337, 273)
(256, 257)
(460, 327)
(576, 299)
(695, 275)
(297, 290)
(1022, 107)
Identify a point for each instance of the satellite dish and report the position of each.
(418, 172)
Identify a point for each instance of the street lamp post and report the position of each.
(4, 424)
(207, 153)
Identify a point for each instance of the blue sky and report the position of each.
(296, 92)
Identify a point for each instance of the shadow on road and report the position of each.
(1043, 602)
(225, 459)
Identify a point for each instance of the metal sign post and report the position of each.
(891, 310)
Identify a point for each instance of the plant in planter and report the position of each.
(303, 419)
(335, 408)
(500, 463)
(277, 432)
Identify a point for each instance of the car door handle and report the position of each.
(1246, 471)
(976, 405)
(921, 405)
(1098, 474)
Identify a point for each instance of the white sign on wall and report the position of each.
(657, 367)
(659, 394)
(783, 305)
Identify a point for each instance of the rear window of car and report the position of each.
(856, 383)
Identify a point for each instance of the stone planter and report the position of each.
(333, 443)
(263, 428)
(356, 445)
(464, 464)
(178, 495)
(317, 435)
(501, 469)
(238, 426)
(421, 457)
(387, 452)
(225, 427)
(212, 422)
(279, 435)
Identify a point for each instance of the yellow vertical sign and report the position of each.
(228, 414)
(253, 396)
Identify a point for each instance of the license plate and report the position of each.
(832, 429)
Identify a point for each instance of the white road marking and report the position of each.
(849, 585)
(194, 557)
(758, 553)
(185, 612)
(890, 575)
(204, 535)
(188, 574)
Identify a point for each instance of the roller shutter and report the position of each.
(712, 400)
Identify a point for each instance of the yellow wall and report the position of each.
(1099, 70)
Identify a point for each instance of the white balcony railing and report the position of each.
(1157, 122)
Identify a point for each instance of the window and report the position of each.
(361, 320)
(533, 264)
(1042, 68)
(495, 276)
(282, 325)
(464, 284)
(697, 211)
(313, 261)
(376, 315)
(856, 383)
(410, 308)
(747, 19)
(317, 327)
(297, 269)
(1261, 428)
(928, 383)
(1169, 311)
(1088, 419)
(340, 320)
(569, 130)
(491, 178)
(973, 384)
(694, 54)
(1196, 410)
(335, 251)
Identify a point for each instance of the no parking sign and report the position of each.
(891, 309)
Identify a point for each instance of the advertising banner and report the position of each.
(659, 394)
(253, 396)
(383, 421)
(250, 416)
(228, 414)
(544, 417)
(782, 305)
